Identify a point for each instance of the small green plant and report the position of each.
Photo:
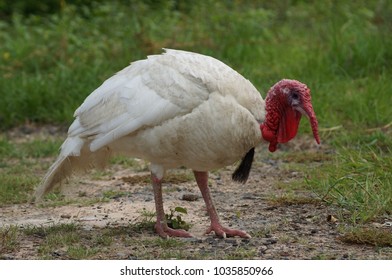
(174, 219)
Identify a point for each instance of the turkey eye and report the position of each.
(295, 95)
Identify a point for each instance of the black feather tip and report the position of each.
(241, 174)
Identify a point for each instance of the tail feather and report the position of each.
(241, 174)
(60, 169)
(70, 161)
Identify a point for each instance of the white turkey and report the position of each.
(181, 109)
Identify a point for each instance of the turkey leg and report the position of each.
(161, 226)
(202, 182)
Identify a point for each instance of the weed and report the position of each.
(174, 219)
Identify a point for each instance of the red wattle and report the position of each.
(272, 147)
(288, 125)
(270, 136)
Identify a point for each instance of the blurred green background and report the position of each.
(54, 53)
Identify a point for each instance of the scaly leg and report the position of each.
(202, 182)
(161, 226)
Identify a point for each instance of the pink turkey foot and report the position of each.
(164, 231)
(224, 232)
(202, 182)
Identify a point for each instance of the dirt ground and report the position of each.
(281, 228)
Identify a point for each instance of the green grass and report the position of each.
(51, 59)
(342, 50)
(20, 162)
(359, 180)
(28, 148)
(16, 188)
(368, 236)
(8, 239)
(62, 239)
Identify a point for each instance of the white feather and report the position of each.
(72, 146)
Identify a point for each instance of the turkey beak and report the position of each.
(308, 111)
